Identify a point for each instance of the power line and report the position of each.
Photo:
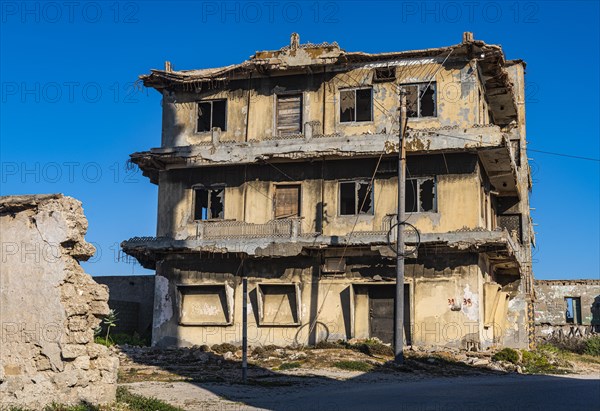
(528, 149)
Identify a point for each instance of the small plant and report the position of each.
(592, 346)
(290, 365)
(537, 362)
(109, 321)
(353, 365)
(139, 403)
(508, 355)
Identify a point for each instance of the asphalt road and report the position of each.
(494, 392)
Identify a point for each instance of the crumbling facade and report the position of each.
(49, 307)
(567, 308)
(283, 170)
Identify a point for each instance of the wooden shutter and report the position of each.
(289, 114)
(287, 201)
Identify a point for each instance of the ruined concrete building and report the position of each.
(283, 169)
(567, 308)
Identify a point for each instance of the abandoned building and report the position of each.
(567, 308)
(283, 169)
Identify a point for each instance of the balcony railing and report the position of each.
(284, 228)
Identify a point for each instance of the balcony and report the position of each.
(494, 146)
(284, 238)
(289, 228)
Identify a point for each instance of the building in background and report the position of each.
(283, 169)
(567, 308)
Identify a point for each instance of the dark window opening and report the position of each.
(356, 197)
(212, 114)
(573, 310)
(208, 203)
(421, 100)
(512, 223)
(356, 105)
(384, 74)
(420, 195)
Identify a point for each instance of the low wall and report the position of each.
(132, 298)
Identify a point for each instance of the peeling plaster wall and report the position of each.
(49, 307)
(457, 97)
(446, 300)
(458, 195)
(550, 305)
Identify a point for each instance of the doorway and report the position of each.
(381, 312)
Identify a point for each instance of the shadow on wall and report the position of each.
(595, 309)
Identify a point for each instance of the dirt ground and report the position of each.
(204, 378)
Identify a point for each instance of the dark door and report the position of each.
(381, 312)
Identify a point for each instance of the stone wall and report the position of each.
(550, 307)
(49, 307)
(132, 298)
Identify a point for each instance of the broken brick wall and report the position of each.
(555, 316)
(49, 307)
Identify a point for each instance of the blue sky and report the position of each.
(70, 115)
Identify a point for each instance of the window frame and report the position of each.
(576, 318)
(354, 89)
(435, 95)
(418, 196)
(211, 101)
(260, 295)
(290, 184)
(287, 93)
(228, 309)
(357, 204)
(209, 189)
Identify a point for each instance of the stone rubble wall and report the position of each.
(550, 307)
(49, 307)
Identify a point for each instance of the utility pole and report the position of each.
(399, 300)
(244, 325)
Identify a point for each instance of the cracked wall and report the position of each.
(49, 307)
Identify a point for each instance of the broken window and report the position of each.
(208, 203)
(384, 74)
(206, 304)
(356, 105)
(289, 114)
(278, 304)
(287, 201)
(573, 310)
(355, 198)
(211, 114)
(420, 195)
(421, 100)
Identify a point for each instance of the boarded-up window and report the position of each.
(208, 203)
(206, 305)
(287, 201)
(278, 304)
(421, 100)
(356, 197)
(212, 113)
(356, 105)
(289, 114)
(420, 195)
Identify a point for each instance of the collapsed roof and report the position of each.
(297, 58)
